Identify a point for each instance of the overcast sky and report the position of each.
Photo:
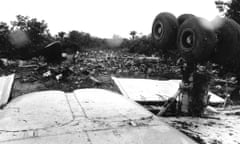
(103, 18)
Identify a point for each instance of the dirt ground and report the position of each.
(219, 129)
(94, 68)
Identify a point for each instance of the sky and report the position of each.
(103, 18)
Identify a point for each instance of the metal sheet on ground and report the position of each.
(144, 90)
(36, 111)
(85, 116)
(6, 83)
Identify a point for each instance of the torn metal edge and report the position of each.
(6, 85)
(214, 99)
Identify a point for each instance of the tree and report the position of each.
(36, 35)
(36, 30)
(230, 9)
(81, 38)
(61, 35)
(133, 34)
(4, 33)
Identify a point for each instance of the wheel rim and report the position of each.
(158, 30)
(187, 40)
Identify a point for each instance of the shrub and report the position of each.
(141, 45)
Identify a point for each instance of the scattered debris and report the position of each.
(47, 74)
(95, 80)
(59, 76)
(94, 68)
(211, 110)
(52, 52)
(218, 128)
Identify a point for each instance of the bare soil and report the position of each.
(218, 129)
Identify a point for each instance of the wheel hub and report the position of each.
(158, 30)
(187, 40)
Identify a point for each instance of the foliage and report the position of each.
(61, 35)
(36, 35)
(36, 30)
(133, 34)
(5, 44)
(230, 9)
(27, 36)
(78, 41)
(140, 45)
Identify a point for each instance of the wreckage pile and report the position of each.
(91, 68)
(94, 68)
